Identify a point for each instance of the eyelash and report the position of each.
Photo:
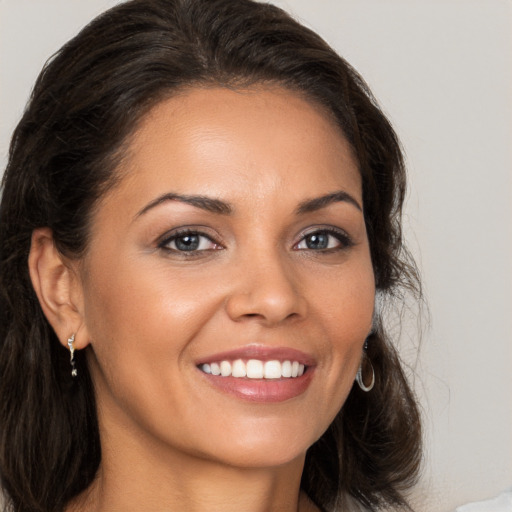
(164, 244)
(341, 236)
(345, 242)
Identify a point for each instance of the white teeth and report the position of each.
(255, 369)
(286, 369)
(225, 368)
(238, 369)
(215, 368)
(272, 370)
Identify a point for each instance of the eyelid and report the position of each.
(341, 235)
(173, 234)
(345, 240)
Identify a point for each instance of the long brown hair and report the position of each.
(86, 102)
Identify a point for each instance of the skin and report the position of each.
(147, 312)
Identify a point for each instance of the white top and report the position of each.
(502, 503)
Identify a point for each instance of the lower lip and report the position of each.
(262, 390)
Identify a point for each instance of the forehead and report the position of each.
(206, 140)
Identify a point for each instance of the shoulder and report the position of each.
(501, 503)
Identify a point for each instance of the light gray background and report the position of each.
(442, 72)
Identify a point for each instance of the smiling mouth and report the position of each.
(255, 369)
(259, 374)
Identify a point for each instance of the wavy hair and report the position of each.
(87, 101)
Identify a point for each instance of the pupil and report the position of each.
(187, 243)
(317, 241)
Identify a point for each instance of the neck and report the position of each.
(146, 478)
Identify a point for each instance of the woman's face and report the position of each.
(234, 242)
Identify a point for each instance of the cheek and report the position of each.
(348, 304)
(127, 298)
(142, 317)
(140, 321)
(345, 313)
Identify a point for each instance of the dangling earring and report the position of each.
(71, 340)
(359, 375)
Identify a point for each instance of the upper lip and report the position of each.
(261, 352)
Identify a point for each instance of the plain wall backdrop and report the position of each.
(442, 71)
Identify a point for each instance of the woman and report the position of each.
(209, 202)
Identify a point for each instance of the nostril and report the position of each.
(249, 316)
(270, 303)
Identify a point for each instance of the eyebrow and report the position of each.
(221, 207)
(312, 205)
(203, 202)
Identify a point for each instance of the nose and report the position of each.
(266, 290)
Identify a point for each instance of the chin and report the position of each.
(263, 447)
(263, 458)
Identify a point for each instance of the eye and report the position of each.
(188, 242)
(325, 239)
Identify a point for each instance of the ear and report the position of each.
(58, 288)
